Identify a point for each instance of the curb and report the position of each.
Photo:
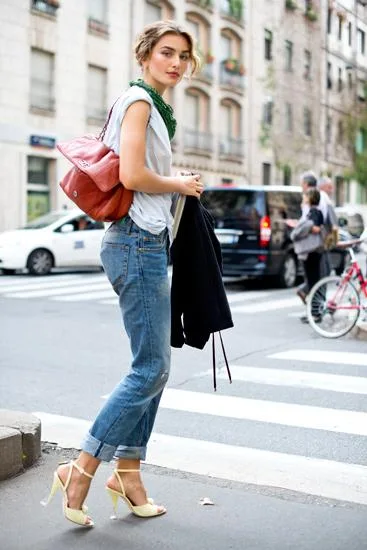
(20, 442)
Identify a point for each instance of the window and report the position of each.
(96, 100)
(231, 142)
(361, 90)
(350, 79)
(328, 129)
(350, 32)
(42, 80)
(38, 188)
(329, 83)
(308, 59)
(361, 38)
(268, 112)
(340, 137)
(329, 20)
(156, 10)
(268, 45)
(287, 175)
(192, 111)
(307, 122)
(97, 10)
(288, 56)
(340, 80)
(340, 28)
(266, 173)
(288, 117)
(46, 7)
(197, 121)
(153, 12)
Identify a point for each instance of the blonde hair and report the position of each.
(152, 33)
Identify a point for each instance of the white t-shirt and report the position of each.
(151, 212)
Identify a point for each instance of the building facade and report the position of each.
(260, 110)
(343, 95)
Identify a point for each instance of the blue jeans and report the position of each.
(135, 262)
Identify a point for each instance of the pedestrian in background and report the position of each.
(134, 256)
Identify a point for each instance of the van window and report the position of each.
(283, 204)
(235, 209)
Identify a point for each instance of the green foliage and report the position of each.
(291, 4)
(236, 8)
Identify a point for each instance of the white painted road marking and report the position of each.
(319, 477)
(287, 414)
(271, 305)
(320, 356)
(297, 379)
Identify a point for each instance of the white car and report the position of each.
(65, 238)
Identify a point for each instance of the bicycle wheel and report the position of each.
(333, 307)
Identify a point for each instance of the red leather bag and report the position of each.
(93, 182)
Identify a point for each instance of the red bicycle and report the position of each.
(334, 303)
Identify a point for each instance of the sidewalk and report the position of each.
(241, 518)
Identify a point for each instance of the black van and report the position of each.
(250, 224)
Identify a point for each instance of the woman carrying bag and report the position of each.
(134, 255)
(308, 238)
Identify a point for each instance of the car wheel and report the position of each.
(288, 274)
(8, 271)
(40, 262)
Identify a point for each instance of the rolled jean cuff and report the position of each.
(124, 451)
(96, 448)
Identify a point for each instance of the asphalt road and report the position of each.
(290, 429)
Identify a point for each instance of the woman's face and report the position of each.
(167, 62)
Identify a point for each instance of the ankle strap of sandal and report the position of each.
(126, 470)
(81, 470)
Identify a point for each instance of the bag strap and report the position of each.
(214, 362)
(103, 131)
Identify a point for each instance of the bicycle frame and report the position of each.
(354, 271)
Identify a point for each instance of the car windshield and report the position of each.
(44, 221)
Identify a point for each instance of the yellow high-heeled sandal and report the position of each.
(147, 510)
(76, 516)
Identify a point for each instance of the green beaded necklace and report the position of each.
(165, 110)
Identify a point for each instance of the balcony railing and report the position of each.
(232, 74)
(98, 27)
(207, 4)
(44, 102)
(45, 6)
(201, 141)
(231, 147)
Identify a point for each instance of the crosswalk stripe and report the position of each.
(287, 414)
(34, 286)
(319, 477)
(85, 296)
(27, 281)
(297, 379)
(266, 306)
(321, 356)
(245, 296)
(57, 291)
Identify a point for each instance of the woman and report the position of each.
(134, 255)
(311, 223)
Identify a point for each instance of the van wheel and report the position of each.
(288, 274)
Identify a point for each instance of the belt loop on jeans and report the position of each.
(126, 222)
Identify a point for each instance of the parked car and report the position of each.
(350, 219)
(65, 238)
(251, 226)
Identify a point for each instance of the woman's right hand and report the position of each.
(190, 185)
